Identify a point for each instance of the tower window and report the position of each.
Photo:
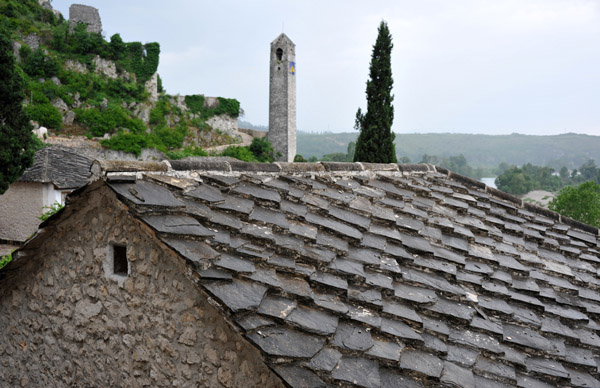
(279, 54)
(120, 264)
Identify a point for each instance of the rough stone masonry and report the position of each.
(79, 13)
(282, 98)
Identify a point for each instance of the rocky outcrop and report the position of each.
(105, 67)
(71, 64)
(33, 41)
(224, 123)
(152, 88)
(79, 13)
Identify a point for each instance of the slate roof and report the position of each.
(65, 169)
(384, 275)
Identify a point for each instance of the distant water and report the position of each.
(489, 181)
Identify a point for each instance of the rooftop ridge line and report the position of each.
(101, 168)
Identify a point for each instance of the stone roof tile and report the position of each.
(386, 278)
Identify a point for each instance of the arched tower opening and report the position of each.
(279, 54)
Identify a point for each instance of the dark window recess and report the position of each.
(120, 264)
(279, 54)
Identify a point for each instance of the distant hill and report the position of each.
(485, 151)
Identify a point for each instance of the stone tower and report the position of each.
(282, 98)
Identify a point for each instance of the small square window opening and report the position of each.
(120, 264)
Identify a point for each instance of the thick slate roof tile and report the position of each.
(258, 192)
(253, 321)
(325, 360)
(401, 311)
(146, 193)
(432, 281)
(401, 330)
(497, 370)
(277, 306)
(314, 321)
(365, 295)
(475, 340)
(434, 344)
(415, 294)
(463, 356)
(359, 371)
(532, 339)
(391, 378)
(298, 377)
(174, 224)
(269, 216)
(421, 362)
(352, 337)
(410, 268)
(364, 315)
(546, 367)
(238, 294)
(281, 341)
(454, 309)
(386, 350)
(582, 379)
(235, 264)
(206, 193)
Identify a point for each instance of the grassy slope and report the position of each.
(570, 149)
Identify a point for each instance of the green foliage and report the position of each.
(239, 152)
(187, 151)
(37, 64)
(515, 180)
(117, 47)
(46, 114)
(262, 149)
(195, 103)
(127, 142)
(520, 181)
(100, 121)
(299, 159)
(457, 164)
(16, 138)
(375, 142)
(340, 156)
(228, 106)
(581, 203)
(4, 260)
(140, 59)
(52, 210)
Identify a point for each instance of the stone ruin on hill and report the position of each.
(79, 13)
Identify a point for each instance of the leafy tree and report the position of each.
(581, 203)
(262, 149)
(375, 142)
(17, 145)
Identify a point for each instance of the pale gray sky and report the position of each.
(471, 66)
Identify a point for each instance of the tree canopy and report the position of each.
(581, 203)
(375, 142)
(17, 144)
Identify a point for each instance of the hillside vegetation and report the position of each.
(78, 82)
(481, 151)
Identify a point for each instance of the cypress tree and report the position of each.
(375, 141)
(17, 145)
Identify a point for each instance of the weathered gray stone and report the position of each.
(79, 13)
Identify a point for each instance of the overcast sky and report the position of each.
(471, 66)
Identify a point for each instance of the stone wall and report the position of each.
(20, 207)
(224, 123)
(79, 13)
(66, 322)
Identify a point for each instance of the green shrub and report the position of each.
(187, 151)
(194, 103)
(165, 138)
(52, 210)
(228, 106)
(45, 114)
(262, 149)
(4, 260)
(239, 152)
(108, 120)
(127, 142)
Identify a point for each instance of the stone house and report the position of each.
(227, 274)
(55, 173)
